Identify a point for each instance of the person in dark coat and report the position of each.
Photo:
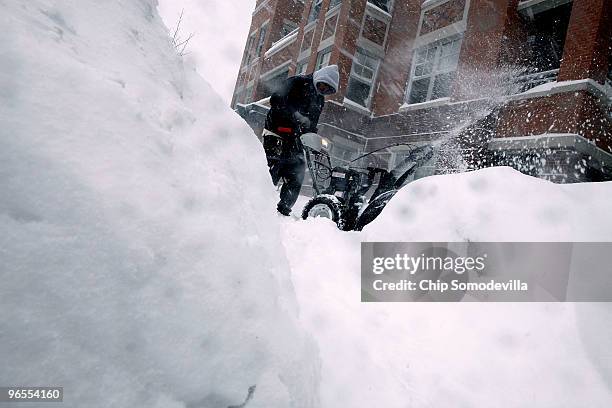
(295, 110)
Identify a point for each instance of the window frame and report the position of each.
(321, 55)
(312, 16)
(300, 64)
(389, 6)
(336, 15)
(363, 79)
(434, 69)
(248, 53)
(263, 32)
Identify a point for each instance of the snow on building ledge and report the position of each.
(282, 43)
(552, 88)
(553, 141)
(406, 107)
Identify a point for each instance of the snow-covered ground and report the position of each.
(143, 264)
(457, 355)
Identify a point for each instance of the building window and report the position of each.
(361, 81)
(307, 41)
(330, 27)
(248, 97)
(288, 28)
(384, 5)
(323, 58)
(334, 3)
(433, 70)
(262, 38)
(249, 49)
(374, 30)
(301, 68)
(315, 10)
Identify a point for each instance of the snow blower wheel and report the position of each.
(326, 206)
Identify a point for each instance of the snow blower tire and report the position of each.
(327, 206)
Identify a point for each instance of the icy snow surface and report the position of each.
(143, 264)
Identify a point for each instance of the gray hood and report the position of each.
(328, 75)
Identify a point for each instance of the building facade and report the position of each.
(525, 83)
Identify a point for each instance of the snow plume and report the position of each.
(141, 258)
(486, 91)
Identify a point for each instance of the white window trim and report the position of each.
(432, 76)
(324, 43)
(302, 62)
(306, 52)
(334, 9)
(378, 10)
(312, 5)
(261, 41)
(371, 81)
(375, 13)
(319, 54)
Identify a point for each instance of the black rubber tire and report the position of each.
(332, 203)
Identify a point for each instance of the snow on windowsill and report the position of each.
(551, 88)
(424, 105)
(282, 43)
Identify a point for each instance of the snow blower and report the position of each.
(345, 199)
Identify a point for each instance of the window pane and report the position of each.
(358, 92)
(441, 86)
(383, 4)
(418, 92)
(422, 69)
(307, 42)
(330, 27)
(301, 68)
(334, 3)
(262, 38)
(323, 58)
(315, 10)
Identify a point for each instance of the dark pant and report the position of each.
(285, 161)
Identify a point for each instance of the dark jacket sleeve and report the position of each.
(314, 115)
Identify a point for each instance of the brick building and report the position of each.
(526, 83)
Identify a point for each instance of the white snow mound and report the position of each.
(141, 257)
(426, 355)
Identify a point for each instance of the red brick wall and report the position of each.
(395, 68)
(442, 15)
(345, 43)
(374, 30)
(588, 41)
(482, 46)
(571, 112)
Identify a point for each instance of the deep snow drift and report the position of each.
(457, 355)
(141, 257)
(143, 264)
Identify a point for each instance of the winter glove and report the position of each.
(303, 121)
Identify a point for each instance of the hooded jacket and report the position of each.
(299, 94)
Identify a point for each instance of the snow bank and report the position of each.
(457, 355)
(141, 257)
